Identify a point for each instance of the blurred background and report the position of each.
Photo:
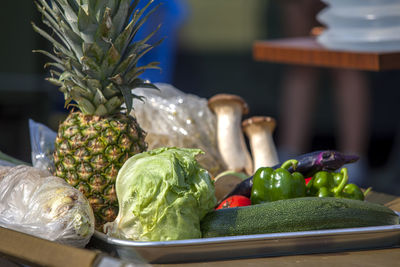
(208, 50)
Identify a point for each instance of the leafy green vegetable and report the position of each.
(163, 194)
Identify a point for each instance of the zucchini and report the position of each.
(297, 214)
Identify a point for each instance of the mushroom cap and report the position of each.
(226, 99)
(261, 121)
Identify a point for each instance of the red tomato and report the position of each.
(234, 201)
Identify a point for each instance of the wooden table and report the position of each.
(368, 258)
(307, 51)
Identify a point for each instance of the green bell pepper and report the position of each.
(337, 177)
(328, 184)
(352, 191)
(271, 185)
(334, 184)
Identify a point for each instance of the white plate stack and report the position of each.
(361, 25)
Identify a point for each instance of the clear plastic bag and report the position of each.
(173, 118)
(34, 202)
(42, 145)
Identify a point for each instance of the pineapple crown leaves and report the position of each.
(94, 58)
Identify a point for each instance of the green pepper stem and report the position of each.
(288, 163)
(343, 182)
(366, 192)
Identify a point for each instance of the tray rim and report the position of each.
(245, 238)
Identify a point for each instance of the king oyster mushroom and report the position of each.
(259, 131)
(229, 110)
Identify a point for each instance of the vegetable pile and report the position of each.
(280, 199)
(287, 180)
(308, 165)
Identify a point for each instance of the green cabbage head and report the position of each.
(163, 194)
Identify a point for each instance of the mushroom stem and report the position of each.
(229, 110)
(259, 130)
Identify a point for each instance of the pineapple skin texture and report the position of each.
(89, 152)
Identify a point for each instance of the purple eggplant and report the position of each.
(323, 160)
(309, 164)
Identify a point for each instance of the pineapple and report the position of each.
(95, 66)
